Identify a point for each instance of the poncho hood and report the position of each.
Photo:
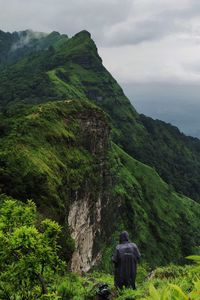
(124, 237)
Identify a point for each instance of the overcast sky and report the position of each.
(152, 47)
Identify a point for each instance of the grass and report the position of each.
(150, 285)
(46, 155)
(152, 212)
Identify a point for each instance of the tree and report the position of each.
(28, 255)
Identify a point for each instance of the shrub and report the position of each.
(28, 256)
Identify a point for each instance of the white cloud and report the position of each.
(68, 16)
(172, 59)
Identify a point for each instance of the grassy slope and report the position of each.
(184, 277)
(72, 69)
(163, 223)
(62, 284)
(35, 162)
(34, 156)
(33, 166)
(175, 156)
(43, 157)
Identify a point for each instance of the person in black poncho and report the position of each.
(125, 258)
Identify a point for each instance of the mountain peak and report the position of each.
(83, 33)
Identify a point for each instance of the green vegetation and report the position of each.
(39, 146)
(55, 67)
(152, 212)
(172, 282)
(174, 156)
(31, 269)
(28, 254)
(16, 45)
(49, 154)
(69, 135)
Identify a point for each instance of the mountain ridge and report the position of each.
(45, 155)
(81, 75)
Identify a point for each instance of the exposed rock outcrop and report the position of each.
(84, 232)
(86, 216)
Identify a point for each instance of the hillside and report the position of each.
(60, 154)
(72, 69)
(29, 256)
(71, 141)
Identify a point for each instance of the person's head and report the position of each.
(124, 237)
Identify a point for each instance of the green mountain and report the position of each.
(72, 142)
(72, 69)
(60, 155)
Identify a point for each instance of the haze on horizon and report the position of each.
(151, 47)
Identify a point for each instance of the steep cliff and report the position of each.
(70, 68)
(69, 140)
(60, 154)
(56, 154)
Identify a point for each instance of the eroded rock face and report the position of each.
(95, 134)
(84, 232)
(87, 212)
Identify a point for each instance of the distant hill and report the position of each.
(177, 104)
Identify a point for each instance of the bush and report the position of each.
(28, 256)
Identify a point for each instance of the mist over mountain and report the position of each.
(15, 45)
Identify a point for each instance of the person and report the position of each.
(125, 258)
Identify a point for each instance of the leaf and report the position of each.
(154, 293)
(195, 258)
(179, 290)
(197, 285)
(165, 294)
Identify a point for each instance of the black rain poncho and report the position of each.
(125, 259)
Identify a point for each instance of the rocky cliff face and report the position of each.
(63, 160)
(84, 231)
(86, 213)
